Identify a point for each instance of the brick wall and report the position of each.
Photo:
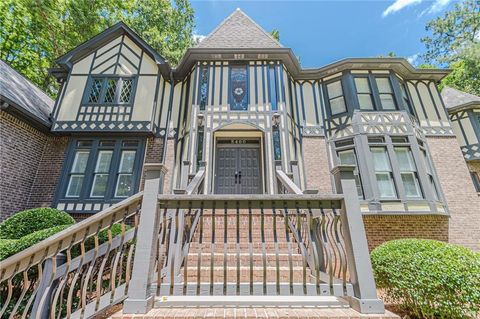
(381, 228)
(30, 163)
(317, 168)
(462, 199)
(153, 154)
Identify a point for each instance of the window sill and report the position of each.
(399, 207)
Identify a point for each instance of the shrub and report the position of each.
(9, 247)
(428, 278)
(32, 220)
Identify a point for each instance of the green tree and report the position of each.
(275, 33)
(33, 33)
(451, 34)
(455, 43)
(465, 74)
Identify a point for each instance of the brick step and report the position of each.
(257, 259)
(258, 276)
(244, 246)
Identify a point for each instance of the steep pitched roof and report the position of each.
(454, 98)
(106, 36)
(239, 31)
(24, 96)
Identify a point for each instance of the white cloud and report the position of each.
(413, 58)
(197, 38)
(399, 5)
(436, 6)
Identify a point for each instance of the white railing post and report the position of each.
(140, 299)
(365, 298)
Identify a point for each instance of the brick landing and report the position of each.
(252, 313)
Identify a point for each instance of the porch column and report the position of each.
(140, 300)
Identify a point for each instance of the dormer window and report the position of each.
(108, 98)
(110, 90)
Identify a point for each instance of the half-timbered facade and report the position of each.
(240, 106)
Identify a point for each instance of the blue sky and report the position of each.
(322, 32)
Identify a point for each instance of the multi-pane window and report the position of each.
(408, 172)
(105, 169)
(383, 172)
(277, 149)
(335, 97)
(385, 92)
(77, 171)
(124, 187)
(429, 170)
(110, 90)
(364, 93)
(101, 173)
(346, 156)
(238, 97)
(272, 83)
(203, 87)
(405, 99)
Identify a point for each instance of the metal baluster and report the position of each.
(173, 254)
(264, 257)
(326, 243)
(238, 249)
(304, 258)
(185, 257)
(212, 252)
(312, 235)
(250, 248)
(200, 248)
(275, 240)
(225, 244)
(163, 239)
(289, 246)
(341, 249)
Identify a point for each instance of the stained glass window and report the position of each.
(95, 90)
(199, 145)
(272, 83)
(238, 88)
(203, 87)
(277, 149)
(126, 90)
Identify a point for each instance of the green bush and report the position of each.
(9, 247)
(428, 278)
(32, 220)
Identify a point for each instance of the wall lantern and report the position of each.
(276, 119)
(200, 120)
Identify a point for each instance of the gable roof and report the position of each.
(105, 37)
(239, 31)
(455, 99)
(24, 96)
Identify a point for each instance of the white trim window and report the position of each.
(125, 181)
(77, 173)
(408, 172)
(383, 172)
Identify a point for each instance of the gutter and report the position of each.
(169, 115)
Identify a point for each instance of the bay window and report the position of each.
(364, 93)
(346, 156)
(383, 172)
(336, 100)
(385, 92)
(408, 172)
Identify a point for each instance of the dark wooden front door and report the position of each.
(238, 170)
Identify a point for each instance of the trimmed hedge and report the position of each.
(9, 247)
(32, 220)
(428, 278)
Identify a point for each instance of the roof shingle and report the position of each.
(453, 98)
(16, 90)
(239, 31)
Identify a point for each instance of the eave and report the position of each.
(463, 107)
(399, 65)
(6, 105)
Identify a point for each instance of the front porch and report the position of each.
(189, 255)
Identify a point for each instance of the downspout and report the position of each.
(169, 115)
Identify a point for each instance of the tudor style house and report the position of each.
(240, 116)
